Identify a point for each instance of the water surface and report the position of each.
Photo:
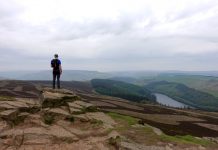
(166, 100)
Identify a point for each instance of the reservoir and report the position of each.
(165, 100)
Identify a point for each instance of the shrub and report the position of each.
(48, 119)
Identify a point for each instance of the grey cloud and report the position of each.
(118, 43)
(71, 31)
(191, 11)
(8, 9)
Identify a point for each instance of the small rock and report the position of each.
(74, 110)
(168, 148)
(201, 147)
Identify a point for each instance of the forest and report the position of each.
(122, 90)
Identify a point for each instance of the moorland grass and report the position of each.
(186, 139)
(128, 119)
(6, 98)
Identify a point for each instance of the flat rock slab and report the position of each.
(50, 99)
(107, 120)
(51, 95)
(61, 133)
(74, 105)
(14, 103)
(37, 140)
(63, 91)
(74, 110)
(82, 103)
(4, 106)
(67, 126)
(135, 146)
(52, 131)
(28, 101)
(9, 114)
(58, 111)
(10, 133)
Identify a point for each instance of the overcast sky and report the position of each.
(109, 35)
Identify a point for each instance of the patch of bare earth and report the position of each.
(209, 126)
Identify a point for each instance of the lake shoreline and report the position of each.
(170, 102)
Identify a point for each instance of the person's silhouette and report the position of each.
(57, 70)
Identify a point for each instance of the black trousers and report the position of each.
(56, 76)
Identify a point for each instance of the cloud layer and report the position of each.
(109, 34)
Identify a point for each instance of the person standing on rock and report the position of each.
(57, 70)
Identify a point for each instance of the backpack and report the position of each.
(55, 64)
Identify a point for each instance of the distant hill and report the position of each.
(124, 79)
(207, 84)
(123, 90)
(68, 75)
(184, 94)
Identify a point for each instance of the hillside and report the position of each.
(184, 94)
(82, 119)
(123, 90)
(203, 83)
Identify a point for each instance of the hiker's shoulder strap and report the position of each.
(52, 61)
(59, 62)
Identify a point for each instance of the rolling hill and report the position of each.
(207, 84)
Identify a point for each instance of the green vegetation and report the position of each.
(146, 132)
(6, 98)
(87, 109)
(184, 94)
(115, 141)
(70, 118)
(96, 122)
(123, 90)
(91, 109)
(48, 119)
(203, 83)
(187, 139)
(130, 127)
(130, 120)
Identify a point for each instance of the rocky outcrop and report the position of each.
(59, 116)
(60, 119)
(56, 99)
